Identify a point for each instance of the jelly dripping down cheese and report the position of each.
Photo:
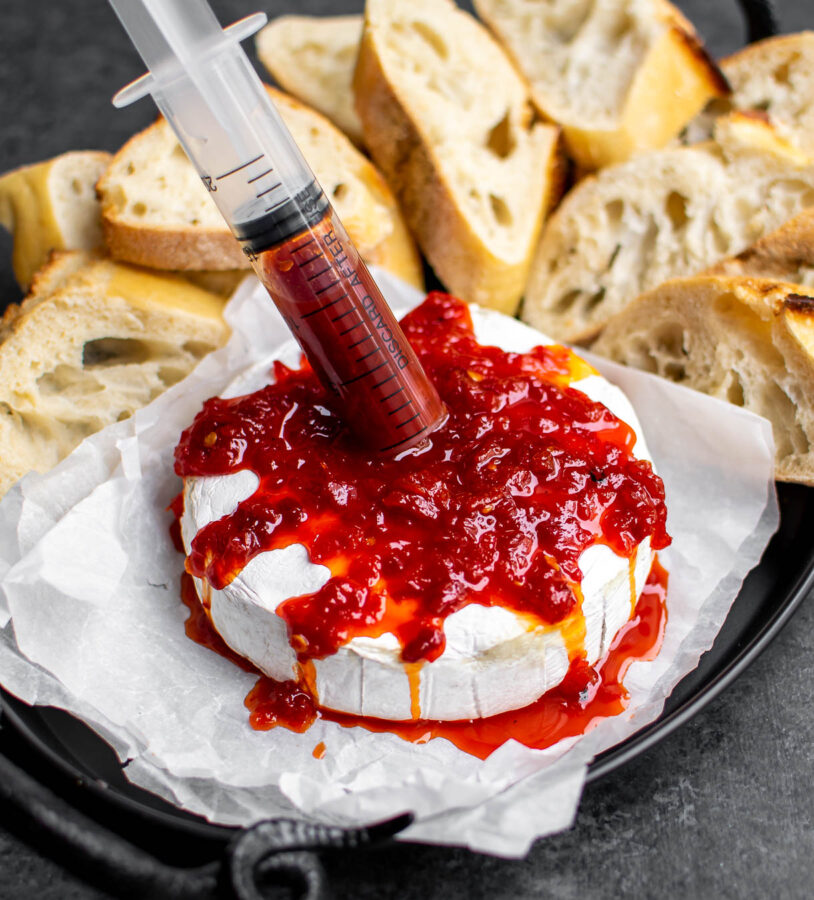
(525, 476)
(586, 695)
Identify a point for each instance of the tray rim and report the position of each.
(15, 712)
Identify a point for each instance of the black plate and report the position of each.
(90, 771)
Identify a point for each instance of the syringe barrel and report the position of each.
(244, 154)
(208, 91)
(350, 336)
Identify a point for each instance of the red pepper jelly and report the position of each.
(494, 509)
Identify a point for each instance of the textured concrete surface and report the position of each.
(722, 808)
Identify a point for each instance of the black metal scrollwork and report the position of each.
(277, 851)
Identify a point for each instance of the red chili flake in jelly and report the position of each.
(495, 508)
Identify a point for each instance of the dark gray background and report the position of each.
(722, 808)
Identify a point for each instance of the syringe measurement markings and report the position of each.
(317, 274)
(364, 374)
(394, 392)
(403, 440)
(342, 316)
(394, 411)
(269, 190)
(333, 302)
(275, 205)
(323, 308)
(375, 350)
(367, 337)
(251, 162)
(352, 328)
(384, 381)
(306, 262)
(261, 175)
(328, 287)
(407, 421)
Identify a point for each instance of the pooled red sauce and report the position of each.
(586, 695)
(495, 508)
(271, 703)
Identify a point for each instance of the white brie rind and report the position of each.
(494, 659)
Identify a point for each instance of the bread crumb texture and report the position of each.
(313, 58)
(157, 213)
(603, 68)
(776, 77)
(449, 122)
(52, 205)
(93, 342)
(671, 213)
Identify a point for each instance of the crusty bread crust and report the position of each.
(451, 237)
(747, 341)
(171, 247)
(666, 59)
(776, 76)
(51, 206)
(785, 254)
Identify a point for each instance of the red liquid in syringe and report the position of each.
(350, 336)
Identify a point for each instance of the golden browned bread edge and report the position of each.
(403, 155)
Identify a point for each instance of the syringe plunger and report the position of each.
(223, 116)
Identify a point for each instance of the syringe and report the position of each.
(208, 91)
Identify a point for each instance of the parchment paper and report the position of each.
(92, 622)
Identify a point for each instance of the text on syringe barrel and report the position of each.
(349, 335)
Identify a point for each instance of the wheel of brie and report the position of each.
(462, 584)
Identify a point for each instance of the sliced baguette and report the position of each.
(785, 254)
(313, 58)
(157, 213)
(747, 341)
(449, 122)
(93, 341)
(52, 205)
(671, 213)
(619, 76)
(776, 77)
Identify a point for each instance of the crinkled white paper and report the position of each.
(94, 624)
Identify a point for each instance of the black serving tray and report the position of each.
(59, 780)
(84, 770)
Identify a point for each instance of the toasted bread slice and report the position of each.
(619, 76)
(667, 214)
(52, 205)
(157, 213)
(449, 122)
(94, 341)
(313, 58)
(776, 77)
(785, 254)
(747, 341)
